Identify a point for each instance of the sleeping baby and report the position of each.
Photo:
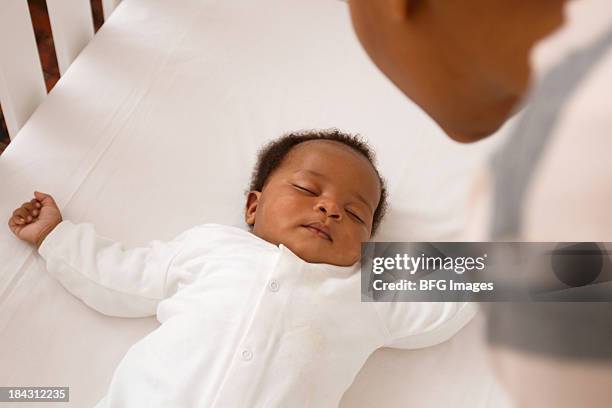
(264, 316)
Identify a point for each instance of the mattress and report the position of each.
(155, 127)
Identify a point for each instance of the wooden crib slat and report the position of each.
(72, 27)
(108, 6)
(22, 86)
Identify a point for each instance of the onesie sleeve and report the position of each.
(106, 276)
(413, 325)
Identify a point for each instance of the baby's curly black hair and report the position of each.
(271, 155)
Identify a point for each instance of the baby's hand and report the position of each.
(34, 220)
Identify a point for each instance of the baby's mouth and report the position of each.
(319, 230)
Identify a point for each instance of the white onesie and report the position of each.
(244, 323)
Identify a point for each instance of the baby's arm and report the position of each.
(110, 279)
(413, 325)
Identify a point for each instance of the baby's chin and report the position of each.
(313, 249)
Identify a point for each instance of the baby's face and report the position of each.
(319, 203)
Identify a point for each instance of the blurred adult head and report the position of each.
(466, 63)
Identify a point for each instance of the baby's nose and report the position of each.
(330, 209)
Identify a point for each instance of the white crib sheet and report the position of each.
(155, 127)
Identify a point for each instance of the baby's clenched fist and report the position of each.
(35, 219)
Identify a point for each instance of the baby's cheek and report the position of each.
(353, 252)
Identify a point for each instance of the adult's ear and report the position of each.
(400, 10)
(251, 207)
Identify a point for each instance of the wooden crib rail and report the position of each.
(22, 87)
(72, 27)
(108, 6)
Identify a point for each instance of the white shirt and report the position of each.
(244, 323)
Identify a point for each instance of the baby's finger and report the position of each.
(20, 212)
(45, 199)
(33, 208)
(12, 223)
(16, 220)
(29, 207)
(24, 214)
(36, 203)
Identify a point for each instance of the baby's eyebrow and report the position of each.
(314, 173)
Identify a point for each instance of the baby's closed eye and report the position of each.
(307, 190)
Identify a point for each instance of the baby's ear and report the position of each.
(251, 207)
